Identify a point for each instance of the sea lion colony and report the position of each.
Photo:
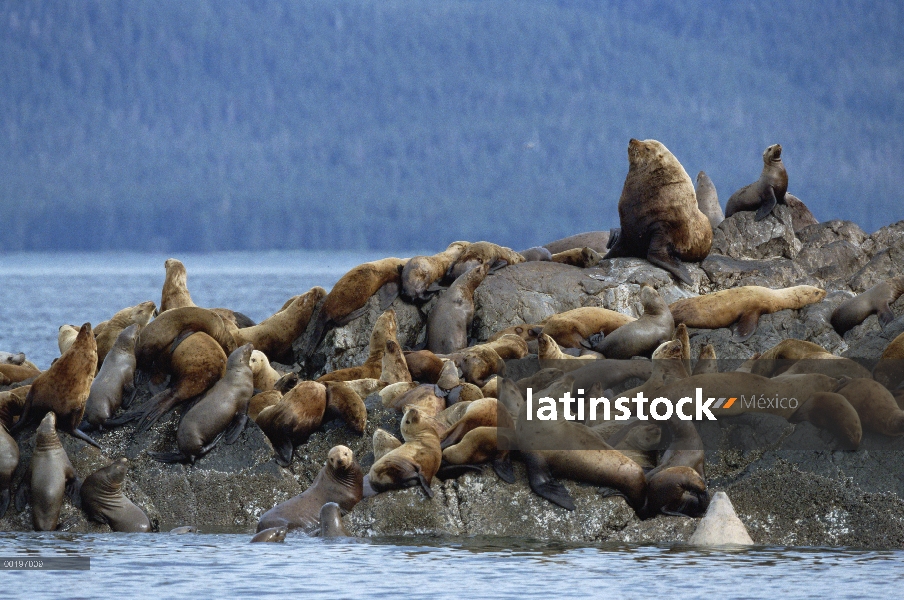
(458, 409)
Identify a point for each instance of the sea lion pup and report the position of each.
(485, 412)
(343, 402)
(271, 534)
(114, 381)
(289, 423)
(421, 272)
(195, 365)
(571, 329)
(9, 460)
(133, 315)
(707, 361)
(660, 220)
(17, 373)
(640, 337)
(104, 502)
(64, 388)
(339, 481)
(763, 194)
(346, 300)
(876, 406)
(12, 403)
(578, 257)
(449, 321)
(331, 521)
(596, 240)
(484, 253)
(384, 443)
(261, 401)
(156, 340)
(741, 306)
(50, 477)
(265, 376)
(274, 336)
(66, 336)
(676, 491)
(221, 411)
(720, 525)
(800, 356)
(424, 366)
(394, 368)
(875, 300)
(385, 329)
(413, 463)
(708, 200)
(536, 254)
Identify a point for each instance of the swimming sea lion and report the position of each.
(339, 481)
(291, 421)
(272, 534)
(578, 257)
(708, 200)
(413, 463)
(114, 380)
(221, 411)
(640, 337)
(484, 253)
(767, 191)
(184, 529)
(660, 220)
(64, 388)
(331, 521)
(138, 315)
(572, 327)
(875, 300)
(274, 336)
(9, 460)
(450, 318)
(50, 477)
(596, 240)
(421, 273)
(385, 329)
(104, 502)
(741, 305)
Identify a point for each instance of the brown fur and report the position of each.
(484, 253)
(115, 378)
(422, 396)
(66, 336)
(578, 257)
(274, 336)
(799, 356)
(420, 272)
(418, 458)
(289, 423)
(875, 300)
(385, 329)
(478, 363)
(478, 446)
(508, 347)
(106, 337)
(265, 376)
(485, 412)
(877, 408)
(157, 337)
(572, 327)
(261, 401)
(17, 373)
(449, 321)
(523, 331)
(343, 402)
(50, 475)
(424, 366)
(12, 403)
(676, 490)
(103, 500)
(890, 369)
(175, 287)
(395, 369)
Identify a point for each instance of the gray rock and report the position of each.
(726, 272)
(740, 236)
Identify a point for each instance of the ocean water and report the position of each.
(39, 292)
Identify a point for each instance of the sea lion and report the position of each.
(64, 388)
(708, 200)
(684, 450)
(286, 382)
(343, 402)
(66, 336)
(422, 396)
(346, 300)
(261, 401)
(9, 460)
(104, 502)
(741, 306)
(385, 329)
(677, 491)
(445, 419)
(536, 254)
(834, 413)
(720, 525)
(548, 350)
(876, 406)
(572, 328)
(424, 366)
(800, 356)
(578, 257)
(507, 347)
(195, 365)
(106, 337)
(413, 463)
(366, 387)
(221, 411)
(640, 337)
(484, 253)
(265, 376)
(609, 373)
(17, 373)
(763, 194)
(274, 336)
(10, 358)
(875, 300)
(477, 446)
(390, 393)
(525, 332)
(706, 361)
(420, 273)
(290, 422)
(384, 442)
(156, 340)
(114, 380)
(271, 534)
(331, 521)
(660, 220)
(450, 318)
(485, 412)
(478, 363)
(538, 381)
(50, 477)
(184, 529)
(175, 287)
(339, 481)
(394, 368)
(12, 403)
(639, 444)
(595, 240)
(889, 371)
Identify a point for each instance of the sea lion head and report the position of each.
(415, 277)
(808, 294)
(773, 154)
(448, 376)
(340, 459)
(14, 359)
(142, 313)
(127, 338)
(240, 357)
(258, 361)
(546, 345)
(669, 350)
(85, 338)
(644, 153)
(590, 257)
(652, 302)
(48, 424)
(174, 267)
(116, 472)
(411, 421)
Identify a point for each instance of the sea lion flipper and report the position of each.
(502, 466)
(436, 287)
(746, 326)
(22, 494)
(343, 321)
(387, 294)
(132, 390)
(767, 205)
(886, 315)
(424, 485)
(660, 256)
(73, 491)
(168, 457)
(235, 428)
(85, 437)
(610, 492)
(4, 502)
(499, 263)
(455, 471)
(284, 452)
(544, 484)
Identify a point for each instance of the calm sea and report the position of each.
(40, 292)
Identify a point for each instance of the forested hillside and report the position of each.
(212, 125)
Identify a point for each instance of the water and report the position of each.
(39, 292)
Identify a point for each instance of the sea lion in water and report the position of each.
(340, 481)
(875, 300)
(596, 240)
(64, 387)
(9, 460)
(106, 337)
(331, 521)
(660, 220)
(104, 502)
(573, 327)
(272, 534)
(708, 200)
(50, 477)
(450, 318)
(421, 273)
(640, 337)
(741, 306)
(763, 194)
(385, 329)
(290, 422)
(114, 380)
(274, 336)
(346, 301)
(221, 411)
(484, 253)
(578, 257)
(413, 463)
